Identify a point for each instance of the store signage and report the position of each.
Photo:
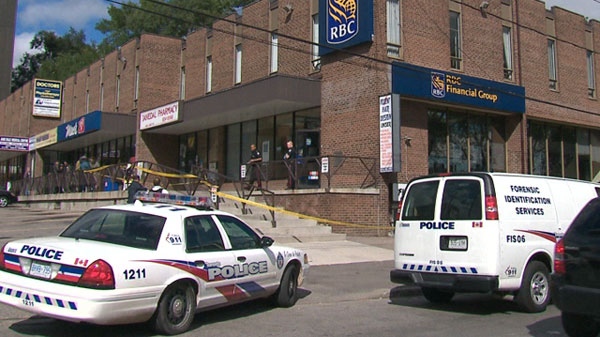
(47, 98)
(8, 143)
(80, 126)
(163, 115)
(344, 24)
(389, 133)
(432, 84)
(43, 139)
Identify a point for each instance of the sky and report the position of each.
(58, 15)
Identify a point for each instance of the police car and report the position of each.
(160, 260)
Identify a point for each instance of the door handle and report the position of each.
(199, 263)
(241, 258)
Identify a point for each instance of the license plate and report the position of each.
(42, 270)
(457, 243)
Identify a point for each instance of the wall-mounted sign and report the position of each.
(43, 139)
(85, 124)
(389, 133)
(8, 143)
(344, 24)
(163, 115)
(47, 98)
(437, 85)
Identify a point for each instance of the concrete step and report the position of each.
(286, 239)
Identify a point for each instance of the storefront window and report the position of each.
(284, 125)
(538, 149)
(437, 142)
(497, 144)
(248, 137)
(595, 138)
(554, 151)
(571, 152)
(570, 160)
(583, 154)
(202, 148)
(478, 139)
(266, 134)
(462, 142)
(233, 150)
(216, 149)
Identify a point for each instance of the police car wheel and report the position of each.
(3, 201)
(534, 294)
(287, 294)
(176, 309)
(580, 325)
(435, 295)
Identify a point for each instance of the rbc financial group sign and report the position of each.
(344, 23)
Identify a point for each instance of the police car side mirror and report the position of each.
(266, 241)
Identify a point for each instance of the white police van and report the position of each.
(485, 232)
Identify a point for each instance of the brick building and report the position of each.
(394, 89)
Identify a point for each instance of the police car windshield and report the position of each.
(119, 227)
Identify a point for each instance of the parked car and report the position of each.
(575, 282)
(6, 198)
(158, 260)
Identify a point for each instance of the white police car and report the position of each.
(157, 260)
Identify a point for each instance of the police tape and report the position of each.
(284, 211)
(245, 201)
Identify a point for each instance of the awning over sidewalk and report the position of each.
(263, 98)
(93, 128)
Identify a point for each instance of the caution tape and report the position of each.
(242, 200)
(284, 211)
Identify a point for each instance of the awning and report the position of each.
(98, 127)
(266, 97)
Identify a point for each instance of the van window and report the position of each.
(419, 204)
(461, 200)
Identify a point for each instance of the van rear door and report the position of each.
(442, 228)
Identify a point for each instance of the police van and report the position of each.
(485, 232)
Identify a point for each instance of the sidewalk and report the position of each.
(353, 250)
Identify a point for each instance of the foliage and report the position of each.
(59, 57)
(154, 17)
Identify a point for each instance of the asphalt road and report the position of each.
(338, 300)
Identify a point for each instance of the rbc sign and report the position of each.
(344, 23)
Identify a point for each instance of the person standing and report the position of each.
(254, 167)
(133, 188)
(289, 159)
(157, 188)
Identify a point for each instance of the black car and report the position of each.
(575, 283)
(7, 197)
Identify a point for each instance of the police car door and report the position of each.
(255, 270)
(205, 247)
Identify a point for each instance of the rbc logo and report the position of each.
(342, 20)
(438, 84)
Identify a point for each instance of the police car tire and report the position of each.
(166, 320)
(536, 275)
(3, 202)
(287, 294)
(435, 295)
(576, 325)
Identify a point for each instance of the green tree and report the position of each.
(174, 18)
(57, 57)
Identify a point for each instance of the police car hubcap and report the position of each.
(177, 307)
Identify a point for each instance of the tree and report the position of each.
(57, 57)
(174, 18)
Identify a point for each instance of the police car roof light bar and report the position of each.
(175, 199)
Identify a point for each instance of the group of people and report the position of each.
(136, 186)
(254, 173)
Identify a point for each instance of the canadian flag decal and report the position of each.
(81, 262)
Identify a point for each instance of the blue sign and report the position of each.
(344, 23)
(437, 85)
(80, 126)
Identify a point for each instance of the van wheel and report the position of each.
(580, 325)
(435, 295)
(534, 294)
